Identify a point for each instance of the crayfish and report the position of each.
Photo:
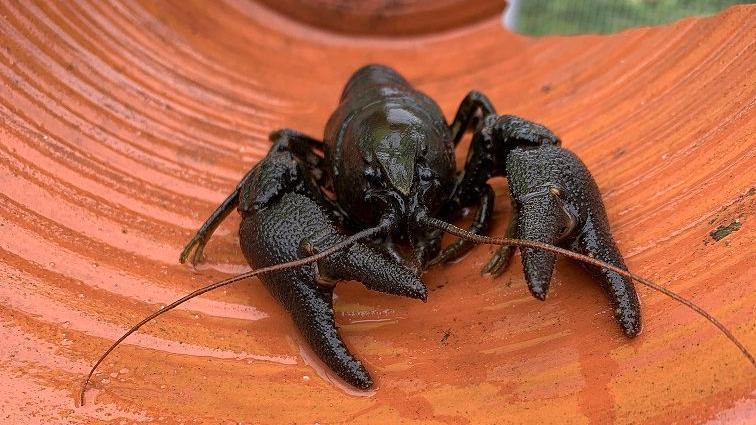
(372, 200)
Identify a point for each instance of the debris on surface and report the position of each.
(723, 231)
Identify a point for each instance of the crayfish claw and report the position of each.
(540, 217)
(596, 242)
(558, 203)
(312, 311)
(376, 271)
(538, 267)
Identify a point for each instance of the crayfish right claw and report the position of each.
(558, 203)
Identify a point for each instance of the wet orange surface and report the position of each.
(122, 126)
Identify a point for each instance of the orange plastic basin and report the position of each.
(122, 126)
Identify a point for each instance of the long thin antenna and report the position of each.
(461, 233)
(296, 263)
(446, 227)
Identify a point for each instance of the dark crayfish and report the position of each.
(385, 172)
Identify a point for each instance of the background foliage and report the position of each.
(539, 17)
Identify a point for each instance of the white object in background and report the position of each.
(510, 15)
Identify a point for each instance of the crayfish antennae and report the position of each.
(373, 231)
(463, 234)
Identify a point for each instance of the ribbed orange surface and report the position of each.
(388, 18)
(123, 125)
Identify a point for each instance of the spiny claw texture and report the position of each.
(270, 234)
(558, 203)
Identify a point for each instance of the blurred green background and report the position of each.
(538, 17)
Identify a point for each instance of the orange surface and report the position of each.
(122, 126)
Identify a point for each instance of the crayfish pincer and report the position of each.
(283, 219)
(556, 201)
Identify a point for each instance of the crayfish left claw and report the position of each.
(558, 203)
